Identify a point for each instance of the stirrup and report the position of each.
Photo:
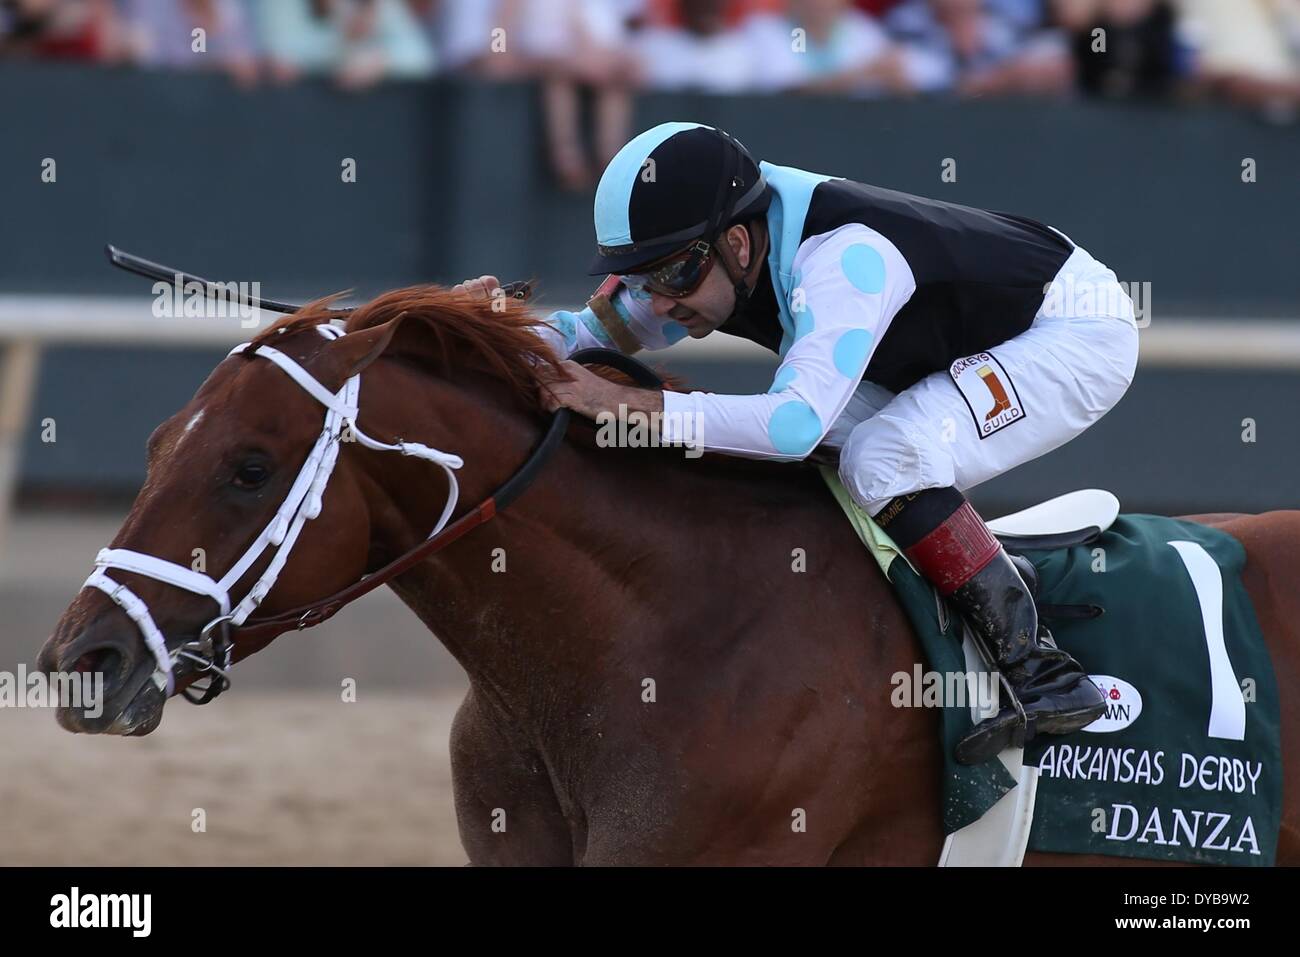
(1021, 732)
(1016, 734)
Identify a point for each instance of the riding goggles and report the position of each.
(677, 276)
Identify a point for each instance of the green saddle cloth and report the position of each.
(1187, 764)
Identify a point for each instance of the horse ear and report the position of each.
(356, 350)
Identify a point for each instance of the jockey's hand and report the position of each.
(588, 394)
(484, 287)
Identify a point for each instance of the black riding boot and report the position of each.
(1055, 692)
(948, 543)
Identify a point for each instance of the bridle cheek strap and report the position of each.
(302, 504)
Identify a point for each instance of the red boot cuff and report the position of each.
(955, 551)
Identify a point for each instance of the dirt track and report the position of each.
(287, 773)
(285, 778)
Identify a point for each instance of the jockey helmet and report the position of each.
(672, 186)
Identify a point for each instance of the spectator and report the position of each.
(699, 45)
(300, 36)
(826, 46)
(573, 47)
(579, 45)
(1249, 50)
(599, 51)
(61, 29)
(876, 8)
(360, 41)
(1024, 16)
(963, 46)
(1136, 52)
(164, 36)
(477, 39)
(382, 39)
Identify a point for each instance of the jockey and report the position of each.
(932, 346)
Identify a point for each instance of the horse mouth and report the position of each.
(134, 709)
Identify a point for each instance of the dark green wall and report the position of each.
(245, 185)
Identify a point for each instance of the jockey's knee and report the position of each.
(1115, 350)
(887, 456)
(1128, 357)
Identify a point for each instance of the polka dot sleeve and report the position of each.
(847, 286)
(571, 331)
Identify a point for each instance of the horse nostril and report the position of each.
(106, 661)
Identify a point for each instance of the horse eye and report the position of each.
(252, 475)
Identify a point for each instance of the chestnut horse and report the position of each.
(650, 681)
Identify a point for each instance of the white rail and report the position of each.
(1254, 343)
(30, 322)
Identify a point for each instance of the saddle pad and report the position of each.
(1186, 764)
(1201, 750)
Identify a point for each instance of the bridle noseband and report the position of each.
(211, 653)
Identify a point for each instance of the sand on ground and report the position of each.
(281, 778)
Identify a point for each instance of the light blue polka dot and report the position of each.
(784, 376)
(851, 352)
(566, 325)
(794, 428)
(863, 267)
(596, 328)
(673, 332)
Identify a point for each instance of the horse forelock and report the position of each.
(499, 337)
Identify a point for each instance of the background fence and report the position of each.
(450, 182)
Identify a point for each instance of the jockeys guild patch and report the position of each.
(989, 392)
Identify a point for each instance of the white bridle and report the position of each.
(302, 504)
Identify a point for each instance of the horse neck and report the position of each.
(535, 603)
(503, 600)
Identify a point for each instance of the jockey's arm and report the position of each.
(851, 282)
(614, 318)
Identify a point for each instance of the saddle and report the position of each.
(1076, 518)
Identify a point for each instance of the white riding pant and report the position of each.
(993, 411)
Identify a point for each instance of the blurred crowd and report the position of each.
(606, 50)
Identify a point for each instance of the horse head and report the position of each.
(251, 506)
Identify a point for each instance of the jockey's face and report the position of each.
(713, 303)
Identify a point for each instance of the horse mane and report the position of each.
(499, 337)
